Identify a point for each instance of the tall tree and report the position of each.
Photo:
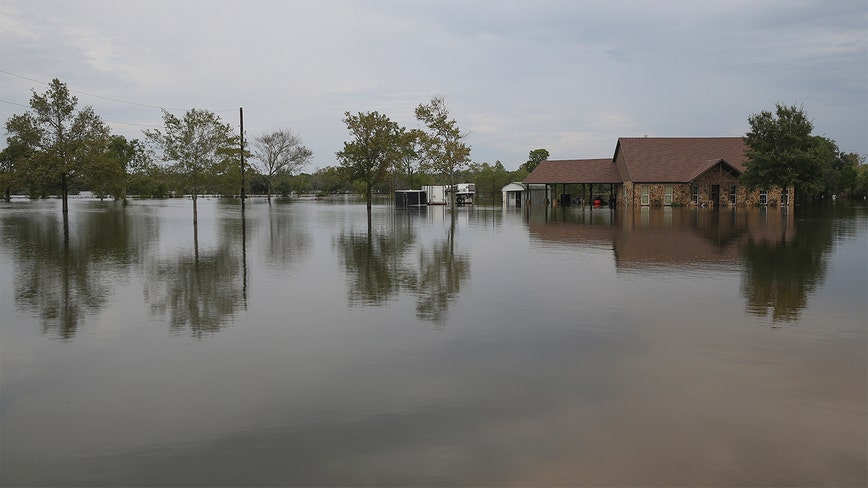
(373, 149)
(62, 144)
(279, 152)
(193, 145)
(407, 161)
(534, 158)
(443, 144)
(782, 152)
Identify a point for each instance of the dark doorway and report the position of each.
(715, 195)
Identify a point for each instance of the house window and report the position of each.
(646, 195)
(732, 195)
(667, 195)
(694, 194)
(785, 197)
(764, 197)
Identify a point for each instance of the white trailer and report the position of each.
(464, 193)
(436, 194)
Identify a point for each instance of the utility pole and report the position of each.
(241, 117)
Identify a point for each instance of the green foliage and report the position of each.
(195, 147)
(59, 146)
(372, 151)
(533, 159)
(442, 146)
(782, 152)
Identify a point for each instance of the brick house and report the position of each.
(667, 171)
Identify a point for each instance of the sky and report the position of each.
(568, 76)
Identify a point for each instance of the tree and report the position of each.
(534, 158)
(442, 145)
(279, 152)
(193, 146)
(373, 149)
(111, 172)
(407, 162)
(63, 144)
(783, 153)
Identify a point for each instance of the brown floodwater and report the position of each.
(301, 344)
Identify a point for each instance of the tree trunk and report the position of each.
(369, 191)
(64, 192)
(195, 209)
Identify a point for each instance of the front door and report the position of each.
(715, 195)
(518, 199)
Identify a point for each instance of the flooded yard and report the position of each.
(300, 344)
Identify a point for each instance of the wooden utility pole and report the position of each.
(241, 118)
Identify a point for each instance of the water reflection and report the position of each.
(389, 258)
(782, 259)
(200, 290)
(64, 269)
(782, 269)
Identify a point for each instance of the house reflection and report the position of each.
(782, 260)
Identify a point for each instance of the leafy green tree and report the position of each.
(489, 179)
(407, 165)
(442, 146)
(13, 157)
(193, 145)
(534, 158)
(783, 153)
(63, 144)
(111, 170)
(279, 152)
(860, 188)
(373, 149)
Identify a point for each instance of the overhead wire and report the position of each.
(117, 100)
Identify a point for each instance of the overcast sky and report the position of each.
(569, 76)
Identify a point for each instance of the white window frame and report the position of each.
(645, 195)
(667, 194)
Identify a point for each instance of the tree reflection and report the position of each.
(286, 243)
(200, 290)
(382, 263)
(372, 263)
(437, 280)
(780, 274)
(64, 269)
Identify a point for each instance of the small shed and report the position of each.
(410, 198)
(517, 194)
(513, 195)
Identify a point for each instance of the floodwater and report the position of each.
(298, 345)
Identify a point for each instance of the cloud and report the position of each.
(517, 75)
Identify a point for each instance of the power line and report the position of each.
(13, 103)
(102, 97)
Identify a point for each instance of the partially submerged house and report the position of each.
(663, 171)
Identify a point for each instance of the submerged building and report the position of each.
(660, 171)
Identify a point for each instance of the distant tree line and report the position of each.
(57, 149)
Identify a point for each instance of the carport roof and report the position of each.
(575, 171)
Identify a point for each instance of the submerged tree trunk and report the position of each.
(195, 209)
(64, 192)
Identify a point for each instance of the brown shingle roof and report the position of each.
(677, 159)
(575, 171)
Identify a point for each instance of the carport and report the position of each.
(583, 172)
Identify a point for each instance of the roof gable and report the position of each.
(677, 159)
